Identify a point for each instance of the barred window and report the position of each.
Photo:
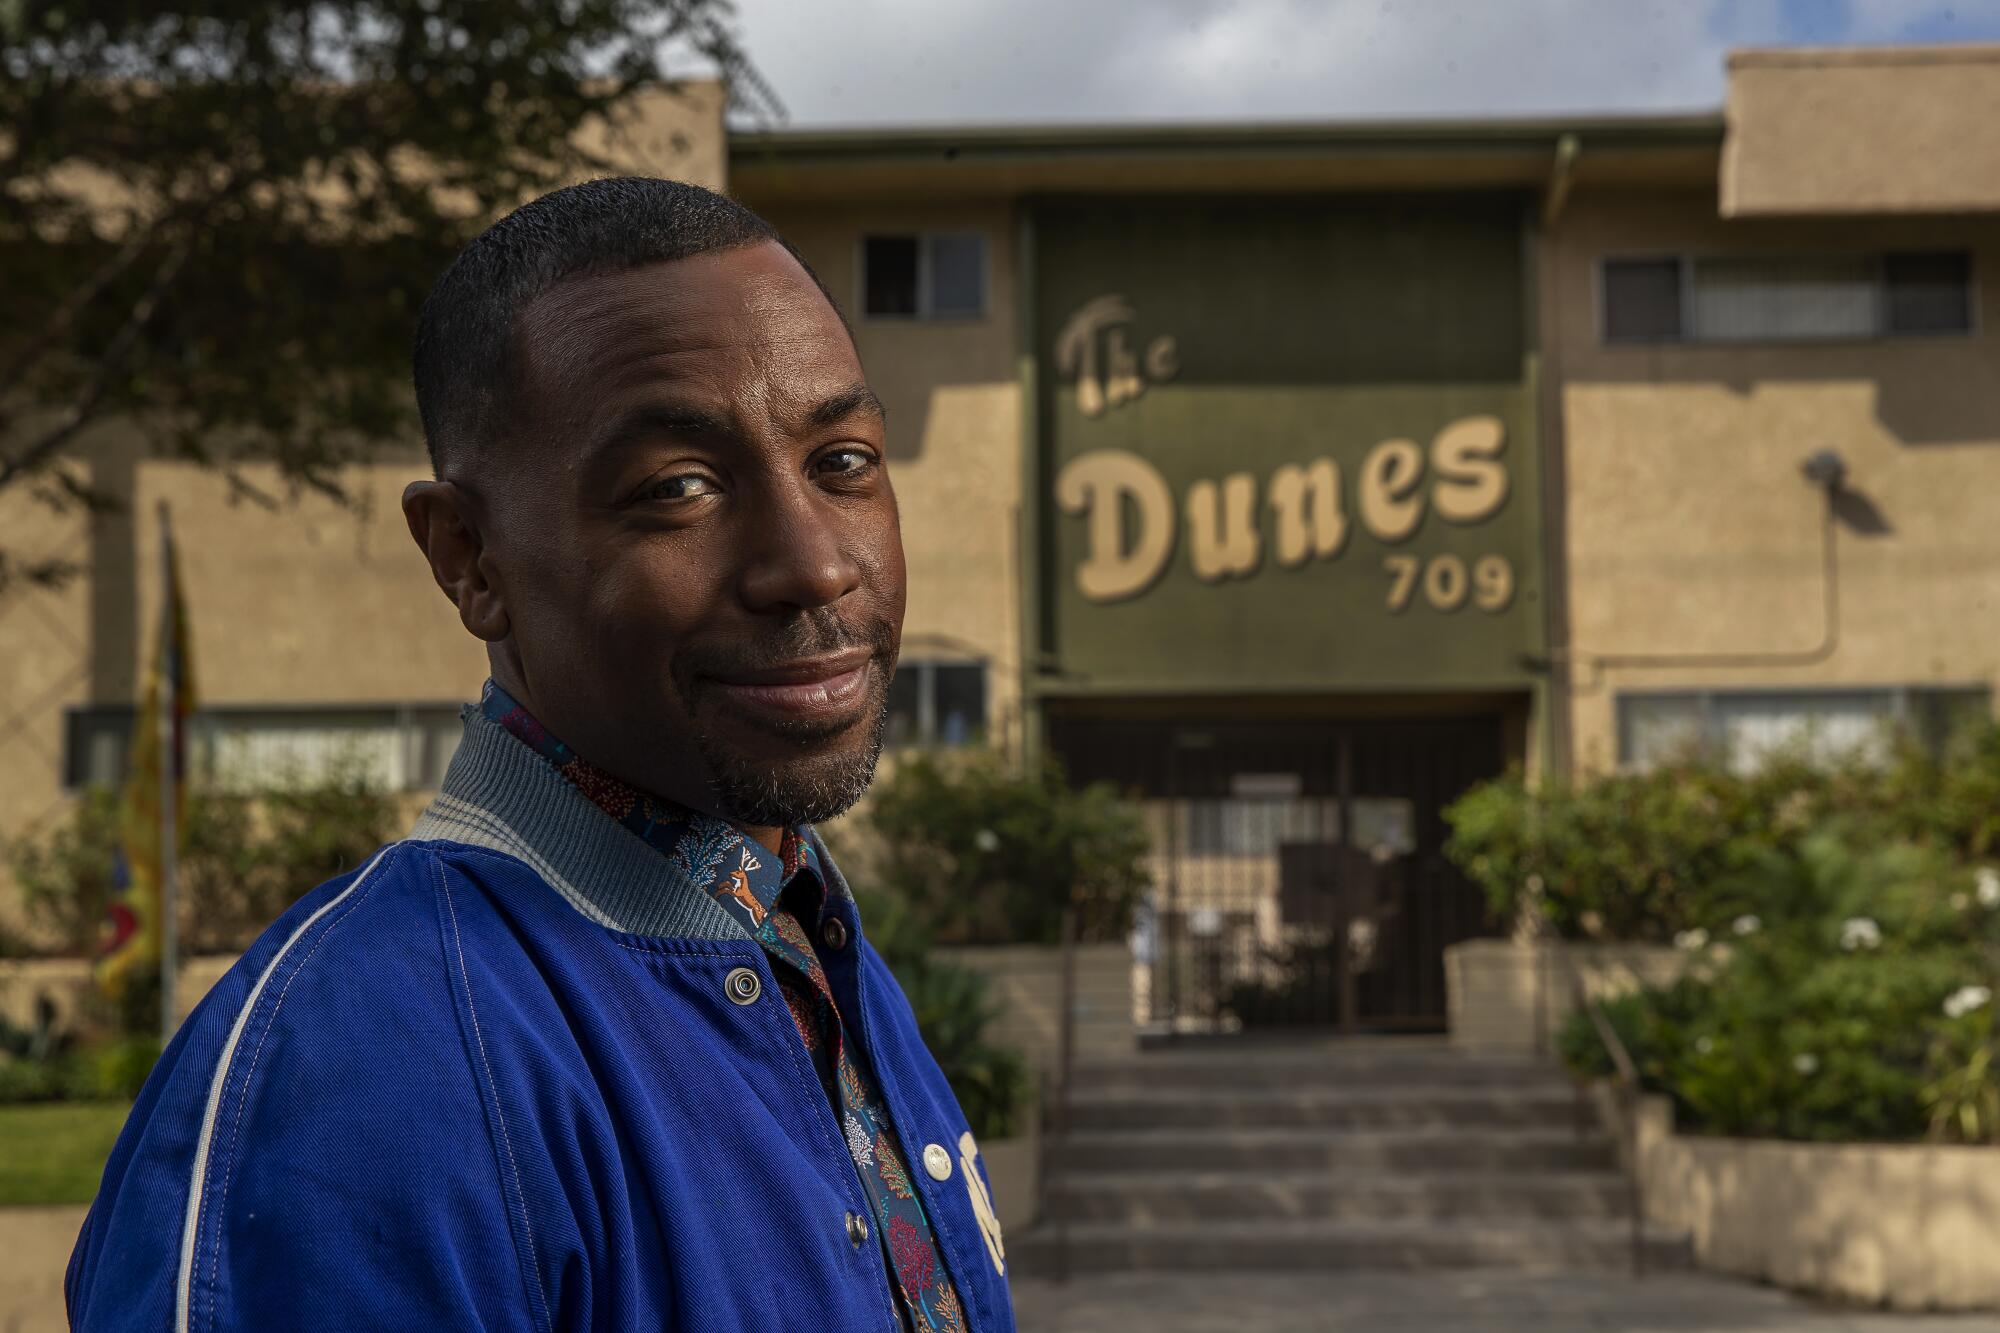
(1786, 298)
(931, 275)
(1746, 728)
(393, 748)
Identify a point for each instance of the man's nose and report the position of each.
(798, 556)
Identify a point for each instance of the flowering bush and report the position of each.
(1859, 1006)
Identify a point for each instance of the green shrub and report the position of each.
(1855, 1006)
(982, 854)
(1582, 1051)
(953, 1014)
(32, 1081)
(109, 1070)
(245, 859)
(1644, 856)
(114, 1069)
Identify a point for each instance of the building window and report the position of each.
(935, 275)
(245, 750)
(1642, 300)
(937, 703)
(1786, 298)
(1929, 292)
(1745, 728)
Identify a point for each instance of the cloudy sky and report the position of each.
(928, 62)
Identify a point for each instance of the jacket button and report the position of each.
(834, 933)
(937, 1161)
(857, 1229)
(742, 985)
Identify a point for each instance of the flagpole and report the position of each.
(169, 706)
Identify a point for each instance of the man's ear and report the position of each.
(441, 519)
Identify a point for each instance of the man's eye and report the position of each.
(682, 486)
(845, 462)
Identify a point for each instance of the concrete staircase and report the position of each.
(1382, 1154)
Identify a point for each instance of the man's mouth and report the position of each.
(827, 688)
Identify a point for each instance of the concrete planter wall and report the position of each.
(1024, 983)
(1014, 1169)
(1913, 1226)
(1510, 997)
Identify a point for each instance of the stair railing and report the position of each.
(1055, 1107)
(1625, 1076)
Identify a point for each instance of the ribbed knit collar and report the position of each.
(500, 794)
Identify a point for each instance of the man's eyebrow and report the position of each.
(839, 407)
(662, 419)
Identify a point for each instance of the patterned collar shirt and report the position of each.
(776, 896)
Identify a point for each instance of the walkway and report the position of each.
(34, 1248)
(1464, 1301)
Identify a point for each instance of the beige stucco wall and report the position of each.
(312, 603)
(1912, 1226)
(1859, 131)
(954, 436)
(1689, 526)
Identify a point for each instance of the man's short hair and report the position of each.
(465, 335)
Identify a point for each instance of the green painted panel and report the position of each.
(1198, 359)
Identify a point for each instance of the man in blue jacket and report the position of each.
(601, 1044)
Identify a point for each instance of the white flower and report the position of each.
(1859, 932)
(1959, 902)
(1966, 999)
(986, 840)
(1987, 885)
(858, 1144)
(1704, 1044)
(1690, 940)
(1805, 1062)
(1747, 924)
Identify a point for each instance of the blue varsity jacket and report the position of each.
(507, 1076)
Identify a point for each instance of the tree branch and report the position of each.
(73, 305)
(108, 364)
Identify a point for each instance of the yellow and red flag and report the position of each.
(153, 811)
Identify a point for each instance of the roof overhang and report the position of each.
(785, 166)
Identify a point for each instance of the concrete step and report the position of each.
(1326, 1246)
(1367, 1107)
(1339, 1151)
(1171, 1197)
(1320, 1067)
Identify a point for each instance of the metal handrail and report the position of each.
(1626, 1079)
(1055, 1111)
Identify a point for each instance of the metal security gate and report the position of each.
(1298, 869)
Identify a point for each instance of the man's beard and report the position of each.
(765, 793)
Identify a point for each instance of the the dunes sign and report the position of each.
(1291, 516)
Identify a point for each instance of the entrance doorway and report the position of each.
(1299, 876)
